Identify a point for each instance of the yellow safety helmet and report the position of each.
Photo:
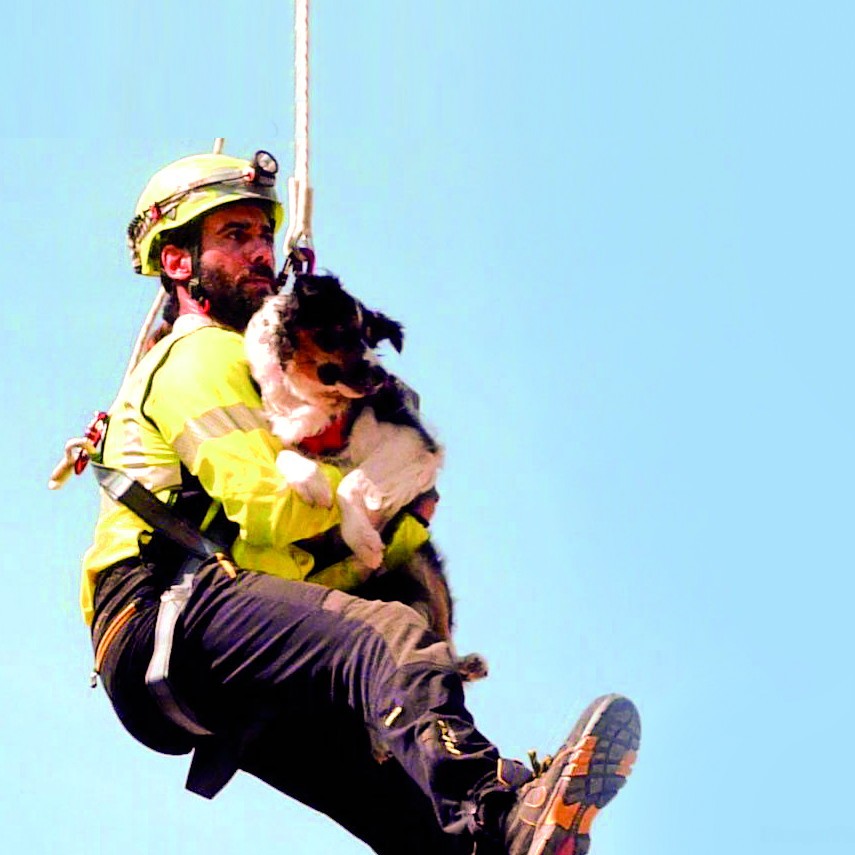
(193, 186)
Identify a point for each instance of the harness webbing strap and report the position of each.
(124, 489)
(172, 603)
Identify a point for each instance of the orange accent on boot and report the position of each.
(562, 815)
(625, 765)
(587, 819)
(580, 762)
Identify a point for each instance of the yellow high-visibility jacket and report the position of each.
(191, 400)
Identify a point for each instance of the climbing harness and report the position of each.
(79, 450)
(215, 755)
(199, 551)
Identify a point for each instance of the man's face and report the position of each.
(236, 262)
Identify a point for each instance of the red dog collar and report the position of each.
(331, 439)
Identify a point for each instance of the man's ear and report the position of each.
(176, 263)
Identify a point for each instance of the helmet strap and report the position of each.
(196, 291)
(194, 283)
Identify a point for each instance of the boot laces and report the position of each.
(539, 766)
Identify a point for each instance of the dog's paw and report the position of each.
(471, 667)
(356, 526)
(306, 477)
(363, 540)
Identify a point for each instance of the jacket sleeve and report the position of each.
(348, 574)
(203, 402)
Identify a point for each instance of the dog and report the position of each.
(312, 352)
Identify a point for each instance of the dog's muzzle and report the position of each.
(363, 377)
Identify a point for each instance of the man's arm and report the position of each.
(203, 402)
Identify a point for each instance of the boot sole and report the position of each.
(597, 766)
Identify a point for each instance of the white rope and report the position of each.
(301, 91)
(145, 331)
(299, 190)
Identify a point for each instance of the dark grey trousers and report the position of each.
(304, 687)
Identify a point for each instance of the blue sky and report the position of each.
(619, 236)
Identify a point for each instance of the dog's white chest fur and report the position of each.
(389, 464)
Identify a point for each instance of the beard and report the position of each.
(233, 300)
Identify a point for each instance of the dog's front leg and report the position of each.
(306, 477)
(356, 527)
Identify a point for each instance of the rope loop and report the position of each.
(299, 233)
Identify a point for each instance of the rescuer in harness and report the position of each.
(258, 670)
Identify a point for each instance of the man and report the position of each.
(298, 684)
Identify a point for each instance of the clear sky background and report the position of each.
(619, 235)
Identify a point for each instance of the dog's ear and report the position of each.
(303, 283)
(281, 326)
(377, 327)
(316, 285)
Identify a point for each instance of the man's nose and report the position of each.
(260, 251)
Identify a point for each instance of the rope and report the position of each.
(299, 231)
(145, 331)
(301, 91)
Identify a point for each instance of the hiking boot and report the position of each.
(553, 813)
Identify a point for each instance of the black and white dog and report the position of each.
(312, 351)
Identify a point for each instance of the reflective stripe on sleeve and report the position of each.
(214, 424)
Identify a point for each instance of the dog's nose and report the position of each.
(363, 377)
(366, 376)
(377, 376)
(329, 374)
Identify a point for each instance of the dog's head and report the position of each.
(330, 337)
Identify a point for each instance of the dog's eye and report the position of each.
(331, 340)
(325, 340)
(350, 339)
